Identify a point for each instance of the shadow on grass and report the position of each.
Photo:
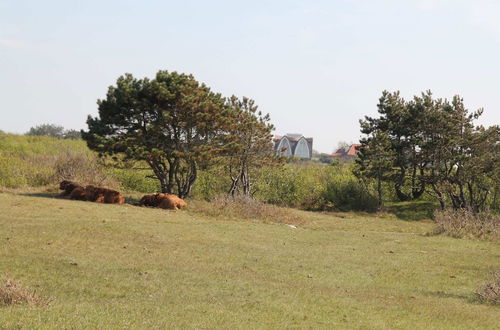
(41, 194)
(128, 200)
(442, 294)
(412, 211)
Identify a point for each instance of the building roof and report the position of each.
(350, 152)
(293, 141)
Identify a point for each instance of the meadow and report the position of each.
(260, 263)
(123, 266)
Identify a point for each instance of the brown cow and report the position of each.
(164, 201)
(67, 187)
(103, 195)
(171, 202)
(78, 194)
(149, 200)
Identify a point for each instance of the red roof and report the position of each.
(352, 151)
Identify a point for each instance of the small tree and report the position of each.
(463, 159)
(248, 143)
(399, 122)
(171, 122)
(375, 160)
(432, 143)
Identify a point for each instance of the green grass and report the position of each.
(414, 210)
(111, 266)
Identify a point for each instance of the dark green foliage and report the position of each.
(375, 160)
(47, 130)
(54, 131)
(325, 159)
(349, 194)
(171, 122)
(247, 145)
(72, 134)
(396, 133)
(434, 144)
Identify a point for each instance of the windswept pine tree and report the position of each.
(171, 122)
(432, 145)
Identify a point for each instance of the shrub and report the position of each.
(490, 292)
(211, 183)
(293, 185)
(44, 160)
(462, 223)
(344, 192)
(243, 207)
(135, 180)
(11, 172)
(12, 293)
(83, 168)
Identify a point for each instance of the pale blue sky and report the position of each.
(316, 66)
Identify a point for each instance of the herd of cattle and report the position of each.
(91, 193)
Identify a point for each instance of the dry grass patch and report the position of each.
(464, 223)
(242, 207)
(490, 292)
(12, 293)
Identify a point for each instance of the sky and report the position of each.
(316, 67)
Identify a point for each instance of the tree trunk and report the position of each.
(379, 191)
(440, 198)
(184, 184)
(398, 185)
(234, 185)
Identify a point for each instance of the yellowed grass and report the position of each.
(245, 208)
(121, 266)
(13, 293)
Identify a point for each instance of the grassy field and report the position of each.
(110, 266)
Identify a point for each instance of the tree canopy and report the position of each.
(177, 125)
(171, 122)
(432, 145)
(247, 144)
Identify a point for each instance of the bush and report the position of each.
(344, 192)
(83, 168)
(462, 223)
(211, 183)
(293, 185)
(135, 180)
(43, 160)
(12, 293)
(300, 185)
(490, 292)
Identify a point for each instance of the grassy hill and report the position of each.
(110, 266)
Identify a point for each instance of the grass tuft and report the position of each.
(464, 223)
(12, 293)
(490, 292)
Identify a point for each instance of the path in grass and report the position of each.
(110, 266)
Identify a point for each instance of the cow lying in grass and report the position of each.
(163, 201)
(103, 195)
(90, 193)
(67, 187)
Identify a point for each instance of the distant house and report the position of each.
(347, 153)
(293, 145)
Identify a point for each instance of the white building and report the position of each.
(293, 145)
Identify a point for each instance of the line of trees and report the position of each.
(177, 126)
(55, 131)
(434, 146)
